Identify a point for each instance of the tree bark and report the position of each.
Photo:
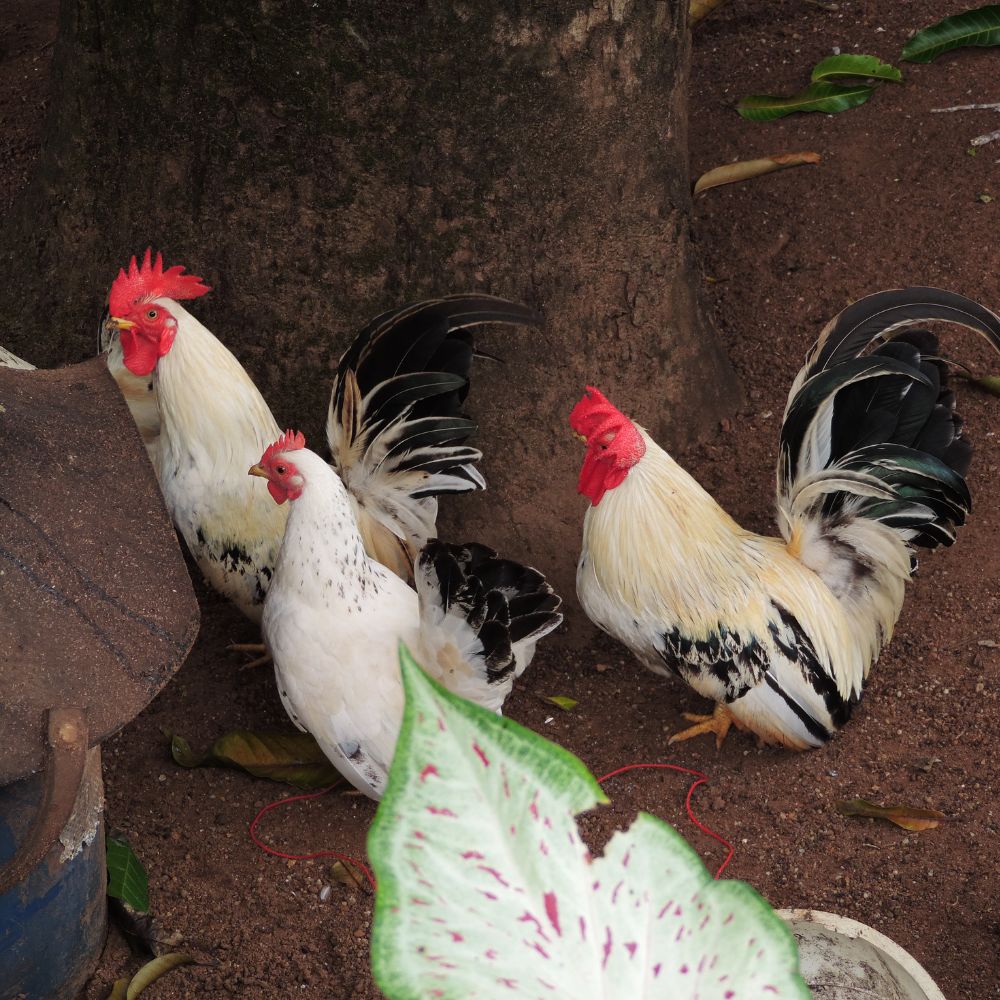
(320, 162)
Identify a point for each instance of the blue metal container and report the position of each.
(53, 923)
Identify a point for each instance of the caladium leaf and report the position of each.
(908, 817)
(973, 27)
(829, 98)
(869, 67)
(485, 888)
(127, 879)
(294, 758)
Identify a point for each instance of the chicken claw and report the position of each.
(251, 647)
(718, 722)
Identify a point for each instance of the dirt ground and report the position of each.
(895, 201)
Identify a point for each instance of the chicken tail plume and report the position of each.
(395, 427)
(872, 458)
(876, 435)
(504, 608)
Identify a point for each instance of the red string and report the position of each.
(702, 779)
(346, 859)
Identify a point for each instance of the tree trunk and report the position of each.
(320, 162)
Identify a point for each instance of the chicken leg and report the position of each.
(262, 660)
(718, 722)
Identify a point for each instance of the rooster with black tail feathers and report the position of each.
(782, 632)
(395, 427)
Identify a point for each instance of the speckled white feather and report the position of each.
(334, 619)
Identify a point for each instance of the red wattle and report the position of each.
(139, 354)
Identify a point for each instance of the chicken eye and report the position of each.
(280, 469)
(152, 314)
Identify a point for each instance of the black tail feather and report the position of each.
(888, 415)
(399, 388)
(504, 602)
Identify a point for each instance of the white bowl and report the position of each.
(841, 958)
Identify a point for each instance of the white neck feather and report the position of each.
(322, 553)
(210, 409)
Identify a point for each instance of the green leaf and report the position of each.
(973, 27)
(294, 758)
(991, 383)
(486, 887)
(829, 98)
(127, 879)
(561, 701)
(834, 67)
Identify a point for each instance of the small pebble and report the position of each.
(325, 893)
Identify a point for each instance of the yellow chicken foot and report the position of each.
(251, 647)
(718, 722)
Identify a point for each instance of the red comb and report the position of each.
(289, 441)
(151, 282)
(594, 413)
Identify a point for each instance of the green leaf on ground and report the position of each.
(127, 879)
(294, 758)
(869, 67)
(973, 27)
(991, 383)
(828, 98)
(561, 701)
(486, 888)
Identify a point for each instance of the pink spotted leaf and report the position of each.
(486, 889)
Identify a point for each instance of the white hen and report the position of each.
(334, 619)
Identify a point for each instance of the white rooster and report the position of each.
(334, 619)
(395, 427)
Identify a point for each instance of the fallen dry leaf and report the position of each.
(345, 875)
(699, 9)
(128, 990)
(908, 817)
(743, 170)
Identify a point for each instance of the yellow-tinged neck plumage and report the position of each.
(659, 539)
(210, 408)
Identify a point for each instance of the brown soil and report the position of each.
(894, 202)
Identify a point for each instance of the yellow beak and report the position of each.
(257, 470)
(122, 324)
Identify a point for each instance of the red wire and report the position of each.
(346, 859)
(702, 779)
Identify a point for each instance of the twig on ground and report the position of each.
(967, 107)
(981, 140)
